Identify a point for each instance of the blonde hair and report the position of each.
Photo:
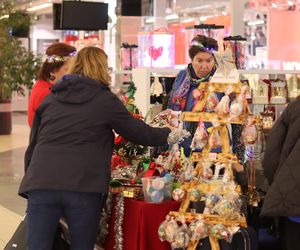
(92, 62)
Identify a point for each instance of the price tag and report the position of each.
(212, 156)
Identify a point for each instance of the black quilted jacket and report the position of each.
(282, 164)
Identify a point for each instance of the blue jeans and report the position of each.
(81, 211)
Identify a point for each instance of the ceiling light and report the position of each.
(39, 7)
(290, 3)
(172, 17)
(257, 22)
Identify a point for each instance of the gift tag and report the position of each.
(212, 156)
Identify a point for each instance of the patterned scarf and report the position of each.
(180, 96)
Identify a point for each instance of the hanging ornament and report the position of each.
(223, 106)
(249, 133)
(200, 137)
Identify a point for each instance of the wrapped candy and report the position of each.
(178, 194)
(198, 229)
(238, 106)
(195, 195)
(182, 238)
(220, 232)
(249, 133)
(223, 106)
(162, 230)
(228, 207)
(178, 135)
(197, 95)
(165, 118)
(211, 200)
(189, 174)
(200, 137)
(212, 101)
(171, 229)
(215, 140)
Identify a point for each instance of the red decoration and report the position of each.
(152, 170)
(116, 161)
(155, 53)
(119, 140)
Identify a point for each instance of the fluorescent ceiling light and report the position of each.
(196, 8)
(39, 7)
(204, 18)
(257, 22)
(4, 16)
(172, 17)
(188, 20)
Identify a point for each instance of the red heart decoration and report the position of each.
(155, 52)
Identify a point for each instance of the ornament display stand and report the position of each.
(225, 157)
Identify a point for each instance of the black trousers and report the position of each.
(290, 232)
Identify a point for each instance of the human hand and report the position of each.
(238, 167)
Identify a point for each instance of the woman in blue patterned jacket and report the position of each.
(203, 65)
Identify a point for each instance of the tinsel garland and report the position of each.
(119, 222)
(105, 220)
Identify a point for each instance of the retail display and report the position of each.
(237, 44)
(278, 92)
(261, 93)
(226, 70)
(206, 183)
(129, 56)
(156, 49)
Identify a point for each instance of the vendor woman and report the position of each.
(203, 65)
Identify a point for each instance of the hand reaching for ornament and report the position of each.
(177, 135)
(238, 167)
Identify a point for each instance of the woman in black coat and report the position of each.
(281, 168)
(67, 163)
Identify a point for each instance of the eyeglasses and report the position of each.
(110, 70)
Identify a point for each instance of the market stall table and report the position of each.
(141, 222)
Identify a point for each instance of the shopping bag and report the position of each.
(18, 240)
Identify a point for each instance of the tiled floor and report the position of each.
(12, 149)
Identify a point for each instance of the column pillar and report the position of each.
(237, 8)
(159, 7)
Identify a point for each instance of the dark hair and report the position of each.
(202, 44)
(55, 49)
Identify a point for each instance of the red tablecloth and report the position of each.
(140, 225)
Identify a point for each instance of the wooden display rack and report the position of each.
(212, 220)
(204, 188)
(207, 87)
(224, 157)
